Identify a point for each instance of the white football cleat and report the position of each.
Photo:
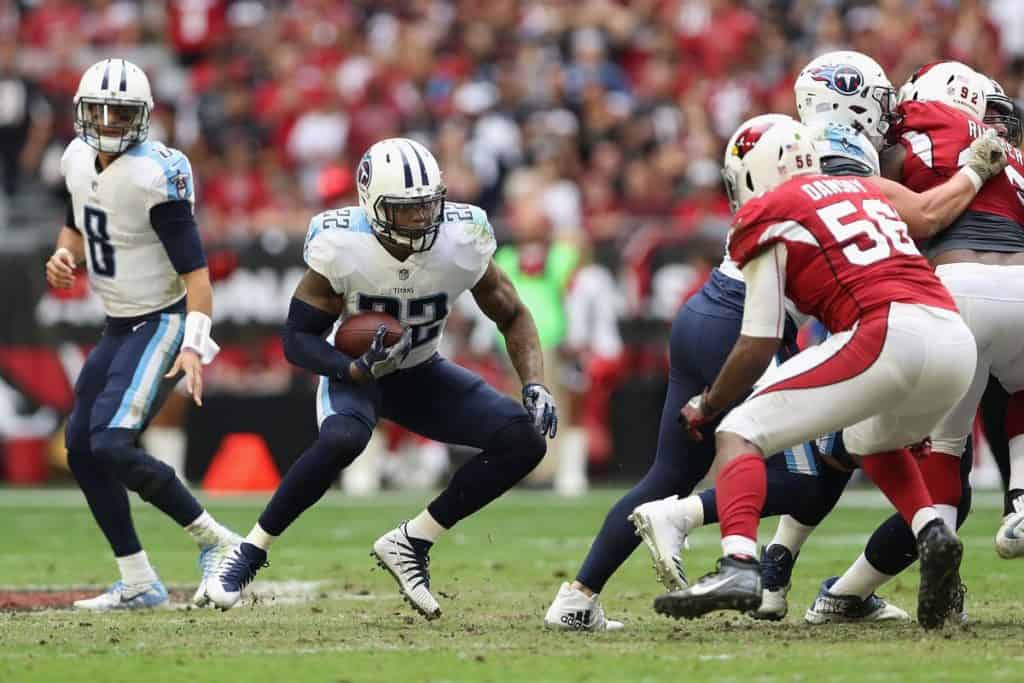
(211, 555)
(236, 571)
(665, 539)
(829, 608)
(407, 560)
(1010, 537)
(120, 596)
(572, 610)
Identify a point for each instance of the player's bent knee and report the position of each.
(521, 440)
(344, 438)
(138, 471)
(730, 445)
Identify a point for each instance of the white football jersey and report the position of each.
(128, 266)
(419, 291)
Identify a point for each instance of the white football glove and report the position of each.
(380, 360)
(987, 155)
(540, 404)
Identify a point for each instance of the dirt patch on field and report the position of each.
(14, 599)
(31, 600)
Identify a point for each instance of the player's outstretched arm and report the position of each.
(313, 309)
(928, 213)
(68, 255)
(498, 299)
(197, 347)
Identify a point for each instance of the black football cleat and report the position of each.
(735, 585)
(776, 573)
(940, 552)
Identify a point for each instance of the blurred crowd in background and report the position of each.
(590, 130)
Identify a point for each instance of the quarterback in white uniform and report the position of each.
(406, 252)
(130, 222)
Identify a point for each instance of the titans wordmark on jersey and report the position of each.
(418, 291)
(128, 265)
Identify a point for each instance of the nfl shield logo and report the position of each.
(403, 274)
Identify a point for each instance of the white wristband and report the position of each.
(973, 176)
(197, 336)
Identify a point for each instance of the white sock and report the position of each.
(260, 538)
(688, 511)
(424, 526)
(861, 579)
(739, 545)
(925, 515)
(136, 569)
(948, 515)
(206, 530)
(791, 534)
(1017, 462)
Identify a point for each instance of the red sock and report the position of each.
(941, 472)
(741, 489)
(897, 475)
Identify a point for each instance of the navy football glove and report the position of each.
(380, 360)
(540, 404)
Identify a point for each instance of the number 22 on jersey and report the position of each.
(425, 315)
(882, 227)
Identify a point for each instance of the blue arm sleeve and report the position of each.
(176, 227)
(304, 343)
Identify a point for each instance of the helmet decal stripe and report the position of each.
(105, 83)
(405, 165)
(423, 166)
(124, 77)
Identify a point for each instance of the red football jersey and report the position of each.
(936, 136)
(848, 251)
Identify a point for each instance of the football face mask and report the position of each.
(411, 223)
(111, 127)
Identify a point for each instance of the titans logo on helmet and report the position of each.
(843, 78)
(364, 172)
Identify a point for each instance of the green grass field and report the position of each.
(495, 576)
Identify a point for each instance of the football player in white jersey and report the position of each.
(407, 252)
(130, 222)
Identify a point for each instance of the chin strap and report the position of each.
(197, 336)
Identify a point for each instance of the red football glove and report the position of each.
(696, 414)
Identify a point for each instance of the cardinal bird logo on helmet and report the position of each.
(843, 78)
(749, 137)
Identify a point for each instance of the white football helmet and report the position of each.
(1003, 113)
(112, 106)
(763, 153)
(401, 191)
(848, 88)
(952, 83)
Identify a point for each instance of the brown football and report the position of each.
(355, 334)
